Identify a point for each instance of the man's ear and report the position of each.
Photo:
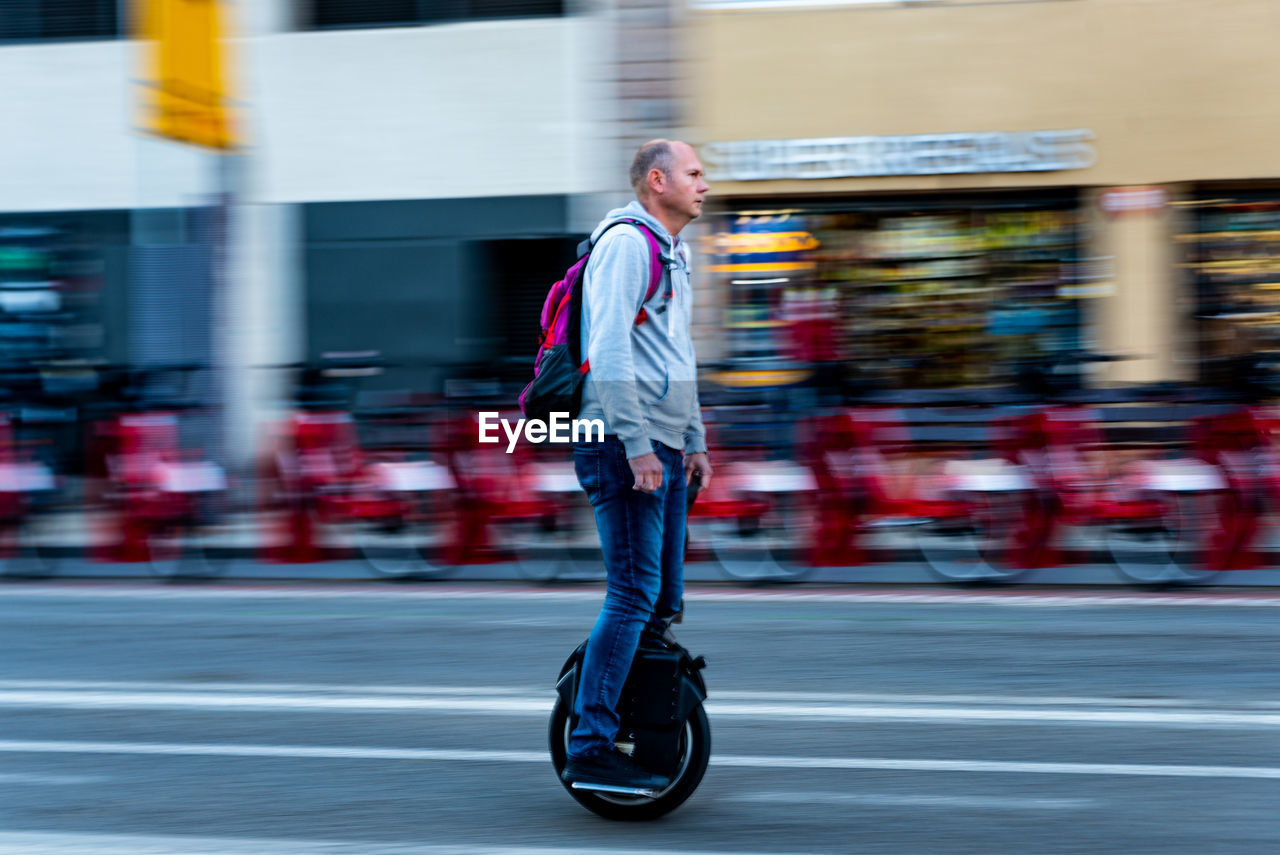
(657, 181)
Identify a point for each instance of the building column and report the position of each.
(1145, 315)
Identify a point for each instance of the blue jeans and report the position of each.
(642, 535)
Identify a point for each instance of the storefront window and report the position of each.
(917, 294)
(1232, 252)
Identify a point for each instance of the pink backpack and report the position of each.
(559, 369)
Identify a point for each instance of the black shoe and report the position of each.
(612, 769)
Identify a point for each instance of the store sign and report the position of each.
(922, 154)
(745, 243)
(787, 4)
(1128, 200)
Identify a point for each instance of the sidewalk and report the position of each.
(69, 538)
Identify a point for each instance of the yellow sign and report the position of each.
(186, 93)
(778, 377)
(742, 243)
(763, 267)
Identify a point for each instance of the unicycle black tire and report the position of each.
(694, 755)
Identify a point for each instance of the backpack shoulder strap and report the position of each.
(657, 261)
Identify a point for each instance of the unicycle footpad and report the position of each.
(614, 790)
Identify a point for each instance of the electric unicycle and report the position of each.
(664, 728)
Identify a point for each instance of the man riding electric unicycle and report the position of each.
(629, 736)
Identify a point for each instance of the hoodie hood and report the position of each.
(636, 211)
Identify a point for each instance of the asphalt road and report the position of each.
(369, 720)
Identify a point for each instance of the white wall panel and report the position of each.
(467, 109)
(473, 109)
(67, 139)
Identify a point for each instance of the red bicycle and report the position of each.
(162, 498)
(392, 504)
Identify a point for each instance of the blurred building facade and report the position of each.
(930, 189)
(937, 188)
(412, 177)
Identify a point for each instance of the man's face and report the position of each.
(687, 184)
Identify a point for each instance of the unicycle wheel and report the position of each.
(693, 754)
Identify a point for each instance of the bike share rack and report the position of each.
(148, 481)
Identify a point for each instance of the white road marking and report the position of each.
(338, 752)
(1000, 766)
(831, 712)
(1203, 597)
(375, 690)
(459, 755)
(1002, 700)
(1039, 599)
(334, 688)
(41, 843)
(25, 778)
(988, 803)
(212, 700)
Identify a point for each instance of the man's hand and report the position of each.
(647, 470)
(697, 464)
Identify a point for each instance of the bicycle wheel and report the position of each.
(1168, 549)
(974, 546)
(766, 548)
(177, 551)
(21, 553)
(406, 546)
(559, 546)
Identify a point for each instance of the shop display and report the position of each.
(941, 296)
(1232, 253)
(762, 257)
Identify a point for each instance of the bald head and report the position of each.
(655, 154)
(669, 182)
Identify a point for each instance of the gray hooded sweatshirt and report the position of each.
(643, 378)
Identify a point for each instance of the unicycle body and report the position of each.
(664, 728)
